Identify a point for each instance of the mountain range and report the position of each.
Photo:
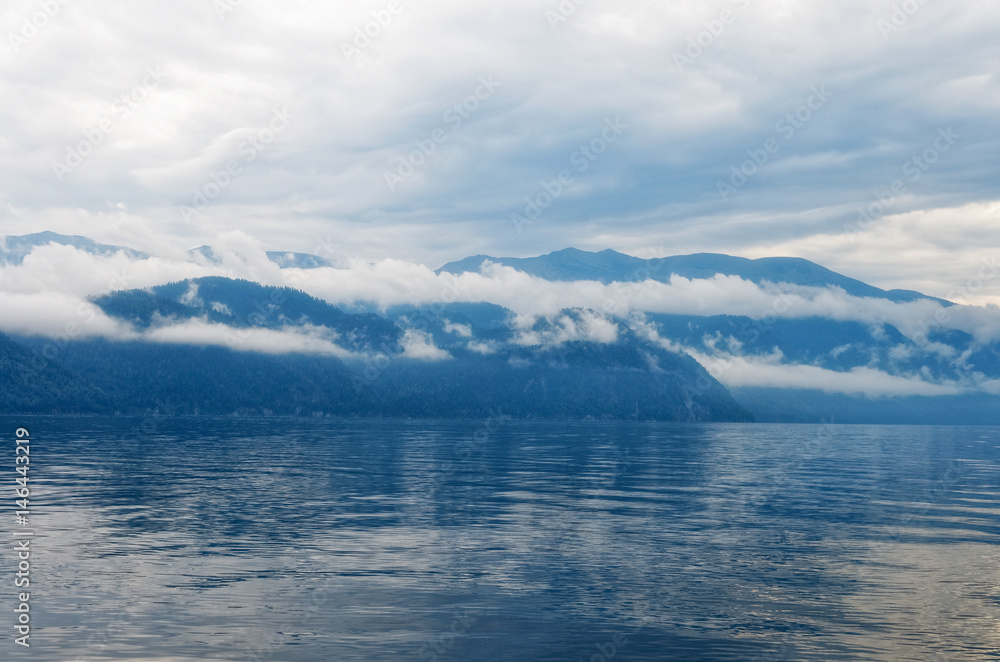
(826, 347)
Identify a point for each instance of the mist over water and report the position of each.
(319, 540)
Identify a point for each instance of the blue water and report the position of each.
(316, 540)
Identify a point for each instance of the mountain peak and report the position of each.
(14, 248)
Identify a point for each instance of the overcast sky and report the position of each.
(627, 122)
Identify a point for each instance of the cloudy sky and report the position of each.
(418, 130)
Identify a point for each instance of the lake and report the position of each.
(307, 540)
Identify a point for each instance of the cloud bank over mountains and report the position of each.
(918, 347)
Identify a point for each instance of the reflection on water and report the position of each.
(213, 539)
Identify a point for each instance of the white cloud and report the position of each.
(78, 275)
(267, 341)
(462, 330)
(190, 297)
(481, 347)
(57, 315)
(392, 282)
(581, 325)
(419, 345)
(241, 254)
(770, 371)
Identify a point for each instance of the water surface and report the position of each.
(317, 540)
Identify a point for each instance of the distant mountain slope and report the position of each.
(13, 249)
(467, 361)
(609, 266)
(32, 383)
(627, 380)
(788, 405)
(287, 260)
(284, 259)
(244, 304)
(139, 377)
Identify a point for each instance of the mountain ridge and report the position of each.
(609, 266)
(14, 248)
